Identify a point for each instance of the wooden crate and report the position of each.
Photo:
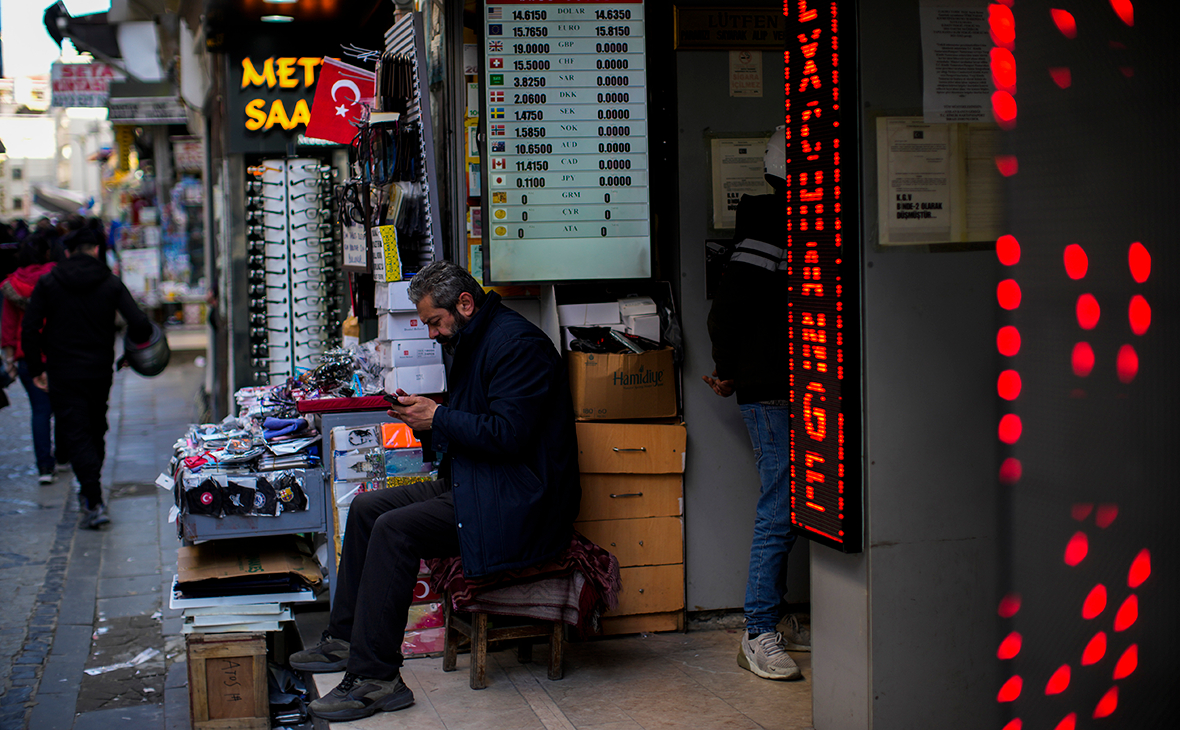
(227, 682)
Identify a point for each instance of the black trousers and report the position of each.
(387, 533)
(80, 407)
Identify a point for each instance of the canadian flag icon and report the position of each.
(499, 163)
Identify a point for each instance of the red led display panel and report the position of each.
(824, 327)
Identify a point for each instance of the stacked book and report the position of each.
(245, 585)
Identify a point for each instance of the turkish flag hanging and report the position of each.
(341, 96)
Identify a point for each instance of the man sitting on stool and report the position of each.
(506, 496)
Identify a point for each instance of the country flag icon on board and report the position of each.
(496, 46)
(495, 12)
(496, 29)
(499, 198)
(496, 62)
(498, 146)
(497, 112)
(499, 180)
(496, 97)
(499, 163)
(497, 130)
(495, 79)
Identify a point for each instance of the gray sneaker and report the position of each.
(764, 655)
(92, 519)
(330, 655)
(794, 636)
(356, 697)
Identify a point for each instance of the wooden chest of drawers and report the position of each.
(633, 505)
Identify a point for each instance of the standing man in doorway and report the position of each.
(750, 350)
(506, 496)
(71, 320)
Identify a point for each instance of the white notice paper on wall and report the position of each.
(737, 170)
(917, 179)
(745, 73)
(956, 76)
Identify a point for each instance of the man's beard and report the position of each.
(460, 323)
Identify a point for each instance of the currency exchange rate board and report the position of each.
(565, 147)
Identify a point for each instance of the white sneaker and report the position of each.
(764, 655)
(46, 478)
(794, 636)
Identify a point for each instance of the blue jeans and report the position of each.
(42, 412)
(766, 587)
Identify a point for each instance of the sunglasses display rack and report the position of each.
(400, 86)
(293, 267)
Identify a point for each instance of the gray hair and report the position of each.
(444, 282)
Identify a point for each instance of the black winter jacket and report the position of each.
(507, 432)
(71, 319)
(748, 321)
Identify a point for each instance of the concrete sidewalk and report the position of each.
(80, 599)
(100, 598)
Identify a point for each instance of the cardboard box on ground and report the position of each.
(608, 387)
(247, 557)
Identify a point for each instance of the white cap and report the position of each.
(774, 162)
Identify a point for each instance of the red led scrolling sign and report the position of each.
(822, 316)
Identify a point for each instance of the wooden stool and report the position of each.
(478, 633)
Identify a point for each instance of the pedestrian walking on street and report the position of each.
(70, 325)
(33, 261)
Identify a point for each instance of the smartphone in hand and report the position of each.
(392, 398)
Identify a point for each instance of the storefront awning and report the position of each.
(59, 202)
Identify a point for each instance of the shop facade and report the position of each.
(907, 616)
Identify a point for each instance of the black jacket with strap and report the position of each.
(507, 432)
(71, 319)
(748, 320)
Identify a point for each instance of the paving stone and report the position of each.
(51, 715)
(145, 717)
(62, 676)
(78, 605)
(129, 586)
(15, 696)
(72, 641)
(128, 606)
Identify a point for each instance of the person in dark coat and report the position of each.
(749, 350)
(507, 495)
(15, 290)
(68, 338)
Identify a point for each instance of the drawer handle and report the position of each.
(617, 450)
(641, 590)
(632, 494)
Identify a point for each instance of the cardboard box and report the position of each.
(623, 386)
(581, 315)
(401, 326)
(224, 559)
(636, 306)
(393, 297)
(416, 380)
(415, 353)
(643, 325)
